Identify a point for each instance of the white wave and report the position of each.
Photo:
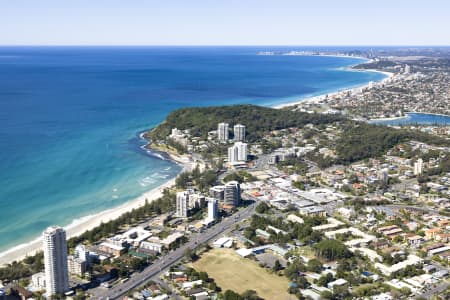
(156, 155)
(20, 246)
(38, 240)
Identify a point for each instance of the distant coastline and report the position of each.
(80, 225)
(318, 98)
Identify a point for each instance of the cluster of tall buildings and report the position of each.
(188, 199)
(238, 152)
(223, 133)
(228, 195)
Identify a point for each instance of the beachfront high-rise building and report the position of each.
(418, 167)
(222, 132)
(232, 195)
(212, 209)
(237, 152)
(55, 261)
(182, 204)
(239, 133)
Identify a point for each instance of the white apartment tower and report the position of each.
(182, 204)
(418, 167)
(55, 261)
(237, 152)
(212, 209)
(222, 132)
(239, 133)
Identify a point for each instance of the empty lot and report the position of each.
(230, 271)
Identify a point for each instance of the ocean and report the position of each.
(70, 118)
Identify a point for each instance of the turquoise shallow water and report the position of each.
(70, 118)
(416, 118)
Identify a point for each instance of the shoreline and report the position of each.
(85, 223)
(407, 115)
(316, 99)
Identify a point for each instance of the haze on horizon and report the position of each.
(224, 22)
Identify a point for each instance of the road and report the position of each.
(172, 257)
(436, 290)
(414, 208)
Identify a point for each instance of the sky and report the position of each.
(224, 22)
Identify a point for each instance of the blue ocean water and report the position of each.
(416, 118)
(70, 118)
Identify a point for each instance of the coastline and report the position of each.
(83, 224)
(425, 113)
(407, 115)
(387, 119)
(316, 99)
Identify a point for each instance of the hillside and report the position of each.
(257, 120)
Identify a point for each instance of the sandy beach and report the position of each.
(319, 98)
(388, 119)
(81, 225)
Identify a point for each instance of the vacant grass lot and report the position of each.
(232, 272)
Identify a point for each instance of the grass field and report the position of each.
(232, 272)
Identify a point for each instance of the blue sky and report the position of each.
(224, 22)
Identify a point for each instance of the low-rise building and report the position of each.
(415, 240)
(388, 270)
(431, 233)
(152, 246)
(313, 211)
(76, 266)
(439, 250)
(38, 280)
(112, 249)
(295, 219)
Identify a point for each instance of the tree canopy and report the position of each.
(257, 119)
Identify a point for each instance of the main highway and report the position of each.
(164, 262)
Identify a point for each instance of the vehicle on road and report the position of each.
(124, 280)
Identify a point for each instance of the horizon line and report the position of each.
(221, 45)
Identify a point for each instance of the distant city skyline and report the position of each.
(231, 22)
